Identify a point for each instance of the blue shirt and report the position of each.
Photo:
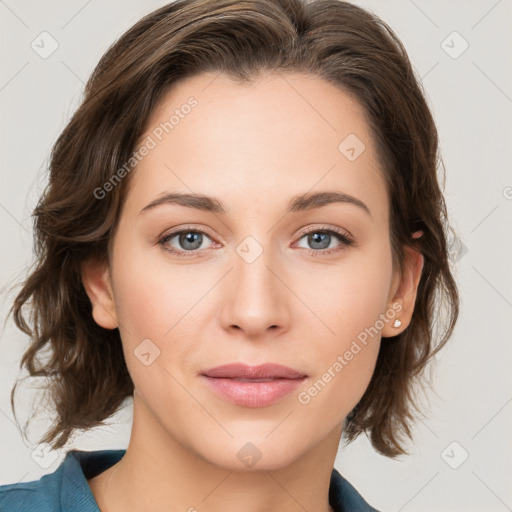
(67, 490)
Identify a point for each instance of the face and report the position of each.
(261, 273)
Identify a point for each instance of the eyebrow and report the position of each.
(301, 202)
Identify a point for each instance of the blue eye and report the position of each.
(321, 239)
(190, 241)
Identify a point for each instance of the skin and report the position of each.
(253, 147)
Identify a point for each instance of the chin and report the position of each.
(250, 454)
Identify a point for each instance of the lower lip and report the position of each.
(252, 394)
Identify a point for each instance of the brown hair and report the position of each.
(339, 42)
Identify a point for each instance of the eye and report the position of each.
(192, 240)
(188, 241)
(320, 240)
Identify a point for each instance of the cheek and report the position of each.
(160, 307)
(351, 301)
(154, 307)
(348, 297)
(153, 300)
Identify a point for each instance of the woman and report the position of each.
(243, 230)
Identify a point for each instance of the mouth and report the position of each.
(252, 386)
(252, 380)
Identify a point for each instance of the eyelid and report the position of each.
(322, 227)
(186, 227)
(346, 239)
(168, 235)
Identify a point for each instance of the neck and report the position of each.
(158, 472)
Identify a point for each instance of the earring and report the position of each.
(397, 323)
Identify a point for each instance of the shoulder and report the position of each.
(343, 495)
(64, 489)
(42, 495)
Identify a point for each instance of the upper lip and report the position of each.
(244, 371)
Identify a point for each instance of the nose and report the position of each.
(257, 302)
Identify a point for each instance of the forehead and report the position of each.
(263, 141)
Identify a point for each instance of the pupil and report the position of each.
(320, 238)
(191, 238)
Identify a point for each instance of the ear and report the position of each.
(98, 286)
(405, 284)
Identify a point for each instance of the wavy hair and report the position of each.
(87, 377)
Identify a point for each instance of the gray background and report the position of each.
(470, 94)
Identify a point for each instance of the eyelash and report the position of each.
(342, 236)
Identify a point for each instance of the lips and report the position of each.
(264, 372)
(252, 386)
